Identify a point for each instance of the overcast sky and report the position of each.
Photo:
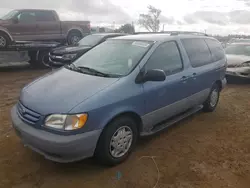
(214, 16)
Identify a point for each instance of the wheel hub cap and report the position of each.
(2, 41)
(45, 60)
(75, 39)
(121, 141)
(214, 98)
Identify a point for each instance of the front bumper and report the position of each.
(55, 147)
(58, 60)
(240, 72)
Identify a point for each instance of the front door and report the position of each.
(25, 27)
(170, 97)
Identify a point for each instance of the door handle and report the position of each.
(184, 78)
(194, 76)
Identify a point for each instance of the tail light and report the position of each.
(88, 25)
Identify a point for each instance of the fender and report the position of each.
(118, 111)
(2, 29)
(75, 28)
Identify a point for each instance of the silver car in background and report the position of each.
(238, 58)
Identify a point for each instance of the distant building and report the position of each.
(101, 30)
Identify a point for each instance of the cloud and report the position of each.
(96, 10)
(240, 16)
(102, 9)
(212, 17)
(247, 2)
(219, 18)
(166, 20)
(190, 19)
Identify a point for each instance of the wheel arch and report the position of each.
(4, 31)
(135, 116)
(74, 30)
(219, 83)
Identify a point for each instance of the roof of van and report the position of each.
(158, 37)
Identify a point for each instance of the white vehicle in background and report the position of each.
(238, 59)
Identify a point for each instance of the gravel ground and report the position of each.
(205, 150)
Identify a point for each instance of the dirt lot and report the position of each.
(205, 150)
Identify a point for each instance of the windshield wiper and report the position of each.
(96, 72)
(88, 70)
(73, 67)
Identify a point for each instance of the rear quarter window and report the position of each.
(216, 49)
(45, 16)
(197, 51)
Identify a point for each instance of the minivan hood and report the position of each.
(70, 49)
(235, 60)
(62, 90)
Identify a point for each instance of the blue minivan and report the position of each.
(122, 89)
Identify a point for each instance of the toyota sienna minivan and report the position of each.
(120, 90)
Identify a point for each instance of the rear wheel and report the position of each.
(213, 99)
(117, 141)
(4, 40)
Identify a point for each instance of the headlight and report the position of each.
(69, 56)
(66, 122)
(246, 64)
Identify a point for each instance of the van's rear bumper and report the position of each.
(224, 83)
(55, 147)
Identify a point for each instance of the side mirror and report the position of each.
(151, 75)
(15, 20)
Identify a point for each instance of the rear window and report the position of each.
(216, 49)
(197, 51)
(45, 16)
(90, 40)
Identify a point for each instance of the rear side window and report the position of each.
(45, 16)
(197, 51)
(166, 57)
(216, 49)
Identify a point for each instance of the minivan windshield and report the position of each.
(114, 57)
(90, 40)
(238, 50)
(10, 15)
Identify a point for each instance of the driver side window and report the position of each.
(26, 17)
(166, 57)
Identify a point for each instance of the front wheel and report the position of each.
(39, 59)
(213, 99)
(117, 141)
(4, 40)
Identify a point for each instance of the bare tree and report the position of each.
(126, 28)
(150, 21)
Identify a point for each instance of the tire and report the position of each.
(213, 99)
(74, 37)
(42, 60)
(105, 152)
(4, 40)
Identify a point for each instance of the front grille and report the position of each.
(55, 57)
(27, 115)
(230, 66)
